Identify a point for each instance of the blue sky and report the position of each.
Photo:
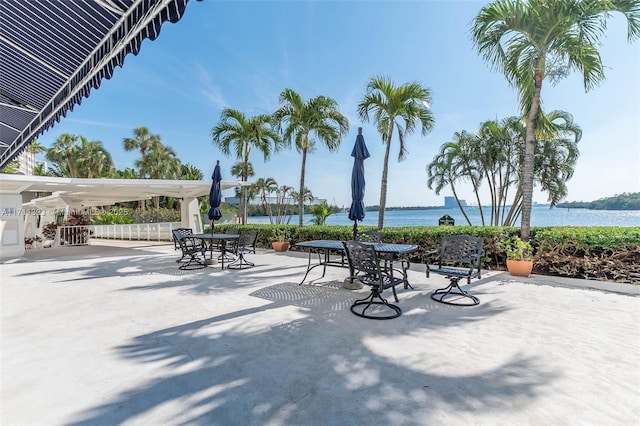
(242, 54)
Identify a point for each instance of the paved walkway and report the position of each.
(114, 334)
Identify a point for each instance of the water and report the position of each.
(540, 216)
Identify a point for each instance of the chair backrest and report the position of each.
(178, 233)
(461, 249)
(232, 231)
(248, 239)
(370, 236)
(364, 263)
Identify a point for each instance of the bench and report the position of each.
(458, 257)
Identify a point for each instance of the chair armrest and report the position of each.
(427, 254)
(192, 242)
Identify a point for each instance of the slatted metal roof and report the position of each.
(53, 52)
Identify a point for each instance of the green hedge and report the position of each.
(597, 253)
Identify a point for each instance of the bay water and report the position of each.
(540, 216)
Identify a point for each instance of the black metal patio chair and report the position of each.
(192, 247)
(246, 244)
(390, 261)
(458, 257)
(181, 231)
(366, 267)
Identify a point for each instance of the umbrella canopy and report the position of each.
(215, 195)
(359, 154)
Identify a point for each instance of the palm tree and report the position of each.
(300, 120)
(62, 153)
(160, 162)
(190, 172)
(264, 187)
(442, 173)
(127, 173)
(401, 107)
(285, 195)
(496, 156)
(92, 159)
(35, 147)
(237, 170)
(11, 167)
(40, 169)
(530, 41)
(143, 140)
(238, 134)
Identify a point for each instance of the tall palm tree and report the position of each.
(160, 162)
(143, 140)
(530, 41)
(237, 134)
(35, 147)
(304, 123)
(63, 152)
(500, 158)
(92, 159)
(496, 156)
(402, 107)
(442, 173)
(265, 187)
(237, 170)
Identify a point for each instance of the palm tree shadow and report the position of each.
(298, 355)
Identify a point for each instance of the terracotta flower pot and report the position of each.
(519, 268)
(280, 245)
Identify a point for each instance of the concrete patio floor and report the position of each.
(113, 334)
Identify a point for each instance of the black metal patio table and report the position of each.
(323, 249)
(210, 238)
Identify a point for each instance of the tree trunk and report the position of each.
(243, 190)
(301, 190)
(529, 153)
(383, 185)
(464, 213)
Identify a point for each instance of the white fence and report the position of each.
(77, 235)
(136, 231)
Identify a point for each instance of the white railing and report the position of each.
(137, 231)
(77, 235)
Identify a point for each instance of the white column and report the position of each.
(11, 226)
(190, 214)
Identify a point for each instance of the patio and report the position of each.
(114, 333)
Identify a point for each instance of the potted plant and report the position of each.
(519, 256)
(280, 244)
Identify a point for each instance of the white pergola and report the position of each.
(21, 196)
(79, 192)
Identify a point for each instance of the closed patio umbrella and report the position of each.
(359, 154)
(215, 196)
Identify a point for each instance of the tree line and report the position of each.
(624, 201)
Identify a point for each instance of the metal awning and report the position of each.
(53, 52)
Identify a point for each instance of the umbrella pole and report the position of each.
(355, 230)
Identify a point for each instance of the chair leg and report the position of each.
(453, 289)
(192, 264)
(240, 262)
(371, 300)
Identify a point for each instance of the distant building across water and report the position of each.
(450, 202)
